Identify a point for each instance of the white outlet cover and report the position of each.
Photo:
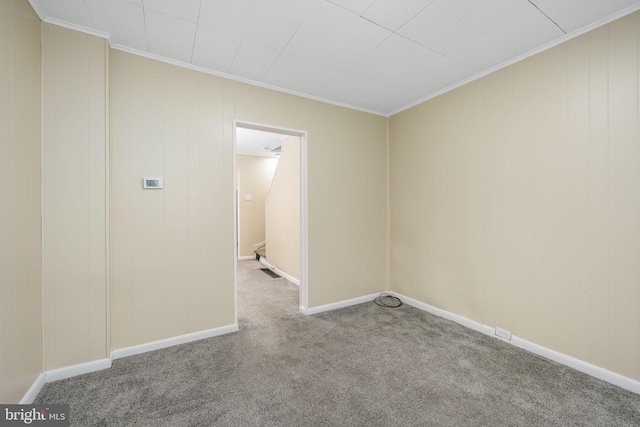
(503, 333)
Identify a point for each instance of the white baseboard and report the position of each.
(246, 257)
(280, 272)
(98, 365)
(75, 370)
(577, 364)
(170, 342)
(33, 391)
(339, 304)
(471, 324)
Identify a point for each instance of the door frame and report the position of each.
(304, 209)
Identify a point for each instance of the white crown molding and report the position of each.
(38, 9)
(79, 28)
(244, 80)
(521, 57)
(35, 5)
(577, 364)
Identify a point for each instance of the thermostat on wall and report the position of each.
(152, 182)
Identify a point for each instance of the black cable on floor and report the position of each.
(387, 300)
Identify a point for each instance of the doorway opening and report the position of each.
(286, 219)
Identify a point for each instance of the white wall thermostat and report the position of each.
(152, 182)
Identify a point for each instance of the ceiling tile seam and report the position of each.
(518, 58)
(547, 16)
(144, 20)
(418, 13)
(195, 35)
(84, 2)
(235, 55)
(421, 45)
(287, 44)
(378, 25)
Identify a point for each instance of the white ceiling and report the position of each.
(375, 55)
(257, 142)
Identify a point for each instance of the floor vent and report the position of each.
(270, 273)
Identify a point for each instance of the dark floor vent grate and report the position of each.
(270, 273)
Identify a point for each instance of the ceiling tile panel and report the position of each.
(123, 19)
(526, 33)
(356, 6)
(214, 50)
(290, 12)
(72, 11)
(331, 54)
(439, 31)
(184, 9)
(365, 36)
(268, 32)
(393, 14)
(343, 50)
(225, 16)
(461, 9)
(177, 43)
(328, 21)
(287, 67)
(308, 46)
(586, 16)
(397, 58)
(252, 61)
(345, 88)
(480, 54)
(497, 14)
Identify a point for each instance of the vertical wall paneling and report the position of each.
(173, 248)
(578, 198)
(623, 191)
(552, 219)
(121, 187)
(599, 194)
(524, 200)
(74, 237)
(148, 233)
(20, 178)
(559, 190)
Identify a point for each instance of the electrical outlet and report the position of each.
(503, 333)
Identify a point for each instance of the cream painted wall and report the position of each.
(20, 159)
(514, 199)
(173, 248)
(282, 211)
(75, 192)
(256, 174)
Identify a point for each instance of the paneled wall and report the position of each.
(256, 174)
(282, 211)
(20, 259)
(514, 199)
(75, 197)
(172, 249)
